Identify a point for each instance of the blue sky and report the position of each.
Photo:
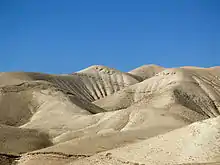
(63, 36)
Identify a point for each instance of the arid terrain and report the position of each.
(101, 116)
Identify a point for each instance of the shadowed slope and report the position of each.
(197, 90)
(33, 107)
(194, 144)
(17, 140)
(103, 81)
(100, 109)
(89, 84)
(177, 99)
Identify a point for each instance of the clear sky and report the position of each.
(63, 36)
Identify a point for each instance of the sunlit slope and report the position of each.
(100, 115)
(103, 81)
(197, 90)
(146, 71)
(198, 142)
(47, 102)
(89, 84)
(170, 100)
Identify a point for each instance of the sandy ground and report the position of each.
(99, 115)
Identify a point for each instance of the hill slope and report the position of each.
(100, 115)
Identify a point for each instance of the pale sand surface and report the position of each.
(99, 115)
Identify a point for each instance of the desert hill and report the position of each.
(100, 115)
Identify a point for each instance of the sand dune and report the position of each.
(99, 115)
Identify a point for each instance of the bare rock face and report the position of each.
(99, 115)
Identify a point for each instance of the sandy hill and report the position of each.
(99, 115)
(146, 71)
